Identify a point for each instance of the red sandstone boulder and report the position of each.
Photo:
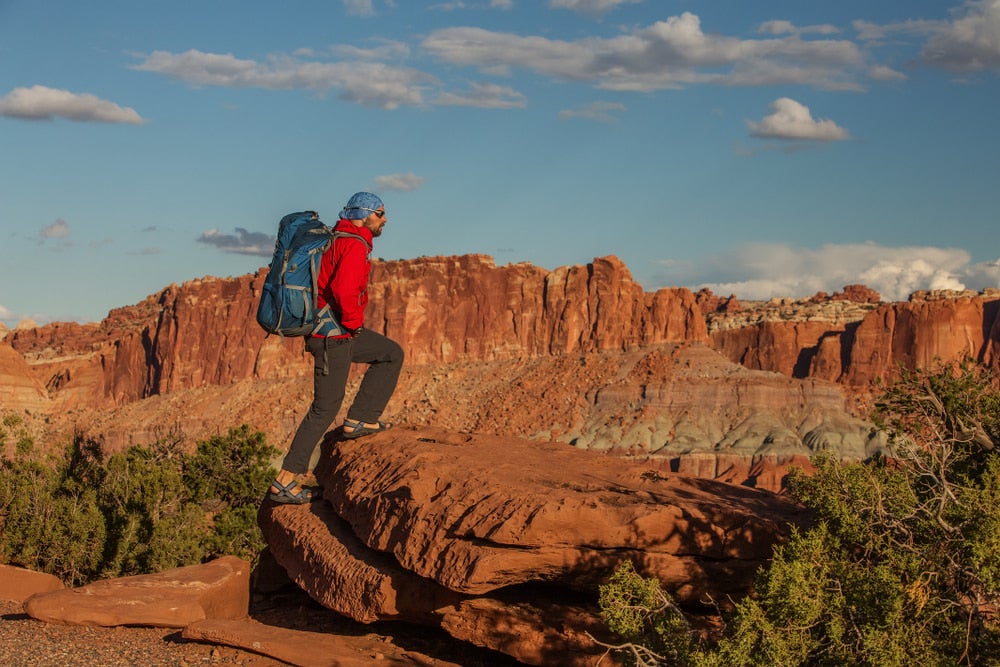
(340, 572)
(535, 632)
(493, 538)
(321, 554)
(18, 584)
(170, 599)
(477, 513)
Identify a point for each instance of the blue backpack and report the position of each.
(288, 299)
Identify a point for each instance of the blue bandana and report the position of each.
(360, 206)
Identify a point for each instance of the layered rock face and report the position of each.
(456, 309)
(931, 326)
(18, 385)
(580, 354)
(440, 309)
(458, 530)
(200, 334)
(859, 343)
(445, 309)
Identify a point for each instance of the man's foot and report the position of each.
(355, 429)
(286, 494)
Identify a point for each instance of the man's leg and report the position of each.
(332, 357)
(385, 360)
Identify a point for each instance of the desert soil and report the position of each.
(25, 641)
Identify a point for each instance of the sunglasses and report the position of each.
(380, 214)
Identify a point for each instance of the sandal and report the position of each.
(285, 496)
(360, 429)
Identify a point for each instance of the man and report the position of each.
(343, 283)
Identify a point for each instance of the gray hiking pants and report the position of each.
(333, 358)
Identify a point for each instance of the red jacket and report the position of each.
(343, 276)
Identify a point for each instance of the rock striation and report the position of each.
(18, 385)
(461, 530)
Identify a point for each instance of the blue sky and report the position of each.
(767, 148)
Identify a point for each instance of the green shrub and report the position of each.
(227, 477)
(152, 522)
(146, 509)
(232, 469)
(645, 617)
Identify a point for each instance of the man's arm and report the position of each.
(350, 283)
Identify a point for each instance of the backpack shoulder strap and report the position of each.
(340, 234)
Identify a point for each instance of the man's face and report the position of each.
(376, 221)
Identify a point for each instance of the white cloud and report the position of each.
(502, 4)
(359, 7)
(897, 278)
(57, 230)
(874, 32)
(484, 96)
(789, 28)
(666, 54)
(401, 182)
(971, 43)
(448, 6)
(5, 313)
(885, 73)
(591, 7)
(983, 274)
(599, 111)
(368, 83)
(42, 103)
(792, 120)
(383, 49)
(777, 28)
(764, 270)
(242, 243)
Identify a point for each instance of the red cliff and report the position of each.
(916, 334)
(858, 343)
(440, 309)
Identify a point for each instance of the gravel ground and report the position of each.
(26, 642)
